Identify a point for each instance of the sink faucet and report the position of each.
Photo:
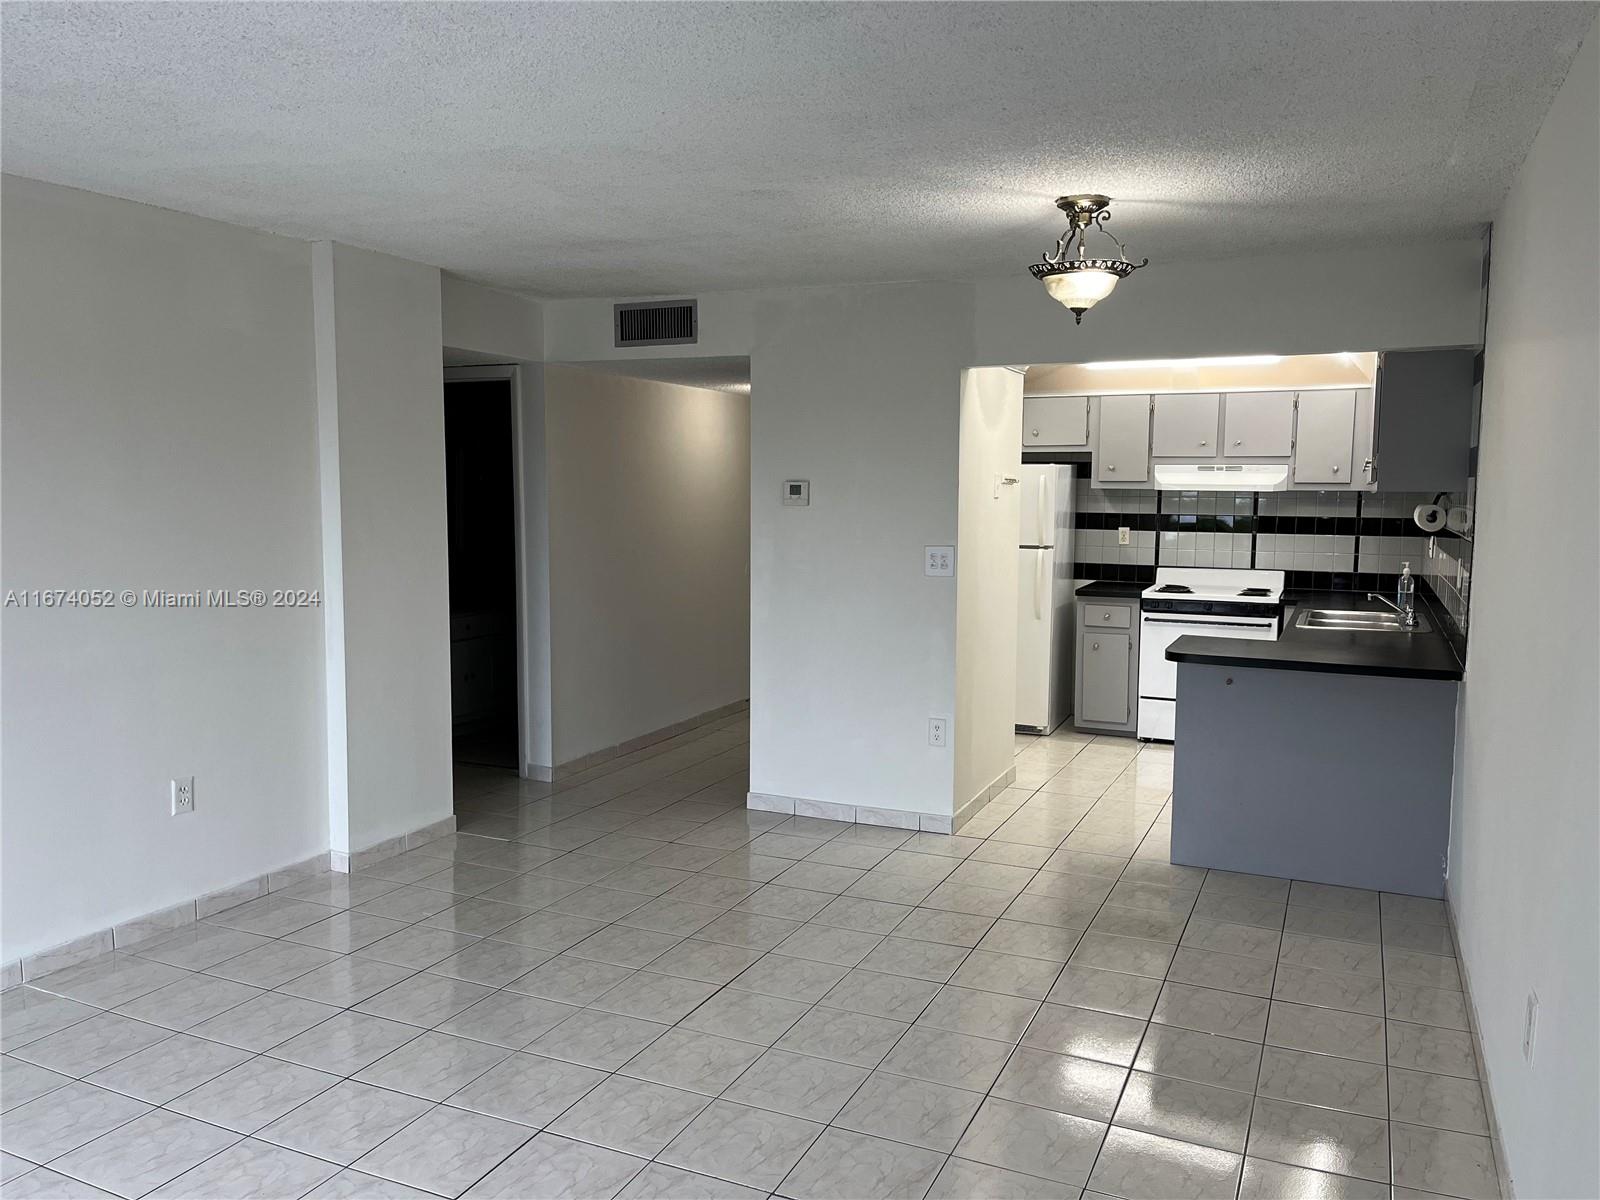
(1408, 614)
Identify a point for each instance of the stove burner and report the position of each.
(1175, 587)
(1255, 592)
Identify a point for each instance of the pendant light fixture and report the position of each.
(1077, 281)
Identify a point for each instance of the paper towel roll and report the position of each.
(1429, 517)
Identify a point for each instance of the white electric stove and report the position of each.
(1204, 602)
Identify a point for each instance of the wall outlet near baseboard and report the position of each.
(938, 731)
(1530, 1026)
(183, 795)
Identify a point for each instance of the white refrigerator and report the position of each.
(1044, 597)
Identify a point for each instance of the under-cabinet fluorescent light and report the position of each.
(1145, 364)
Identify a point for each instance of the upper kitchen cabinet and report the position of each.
(1325, 435)
(1258, 424)
(1425, 419)
(1123, 451)
(1049, 422)
(1185, 425)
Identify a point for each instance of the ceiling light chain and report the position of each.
(1080, 282)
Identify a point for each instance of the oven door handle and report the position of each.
(1210, 624)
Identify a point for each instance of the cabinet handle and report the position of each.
(1202, 443)
(1035, 433)
(1096, 646)
(1105, 616)
(1238, 441)
(1335, 470)
(1111, 466)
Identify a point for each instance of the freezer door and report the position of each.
(1035, 617)
(1037, 516)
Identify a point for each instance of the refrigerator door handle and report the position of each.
(1044, 530)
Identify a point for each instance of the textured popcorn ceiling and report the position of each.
(638, 149)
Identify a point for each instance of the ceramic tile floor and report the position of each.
(634, 987)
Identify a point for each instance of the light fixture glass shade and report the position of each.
(1080, 290)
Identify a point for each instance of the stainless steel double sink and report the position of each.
(1355, 620)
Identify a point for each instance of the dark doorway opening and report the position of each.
(480, 491)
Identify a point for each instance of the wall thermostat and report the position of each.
(796, 492)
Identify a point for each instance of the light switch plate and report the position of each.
(939, 560)
(1124, 535)
(796, 493)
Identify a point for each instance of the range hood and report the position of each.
(1222, 477)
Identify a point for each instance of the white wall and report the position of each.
(1382, 297)
(576, 330)
(388, 403)
(490, 321)
(852, 648)
(986, 580)
(649, 528)
(1525, 831)
(159, 432)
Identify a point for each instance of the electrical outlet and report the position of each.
(938, 731)
(1123, 535)
(939, 560)
(1530, 1026)
(183, 795)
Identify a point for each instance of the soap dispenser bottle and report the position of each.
(1405, 592)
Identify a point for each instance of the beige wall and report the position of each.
(649, 510)
(1526, 823)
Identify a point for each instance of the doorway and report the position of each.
(480, 490)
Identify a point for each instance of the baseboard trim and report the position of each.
(981, 801)
(377, 852)
(595, 758)
(1496, 1142)
(165, 920)
(891, 818)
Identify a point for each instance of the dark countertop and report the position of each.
(1107, 590)
(1397, 655)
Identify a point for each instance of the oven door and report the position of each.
(1158, 676)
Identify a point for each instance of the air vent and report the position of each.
(658, 323)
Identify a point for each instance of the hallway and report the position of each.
(630, 985)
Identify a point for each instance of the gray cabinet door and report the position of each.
(1258, 424)
(1324, 434)
(1055, 421)
(1123, 455)
(1105, 672)
(1185, 425)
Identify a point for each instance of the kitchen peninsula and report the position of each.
(1326, 755)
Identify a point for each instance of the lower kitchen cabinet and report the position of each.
(1106, 689)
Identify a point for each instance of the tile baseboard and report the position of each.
(1496, 1141)
(595, 758)
(981, 801)
(892, 818)
(176, 916)
(357, 860)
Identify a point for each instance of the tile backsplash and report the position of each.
(1335, 541)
